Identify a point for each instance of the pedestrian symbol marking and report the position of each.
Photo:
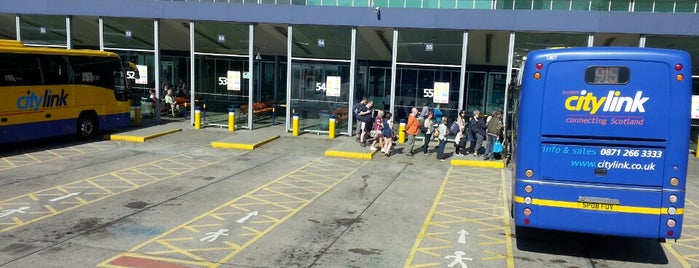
(458, 259)
(212, 236)
(9, 212)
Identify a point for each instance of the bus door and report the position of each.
(606, 122)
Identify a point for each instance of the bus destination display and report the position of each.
(607, 75)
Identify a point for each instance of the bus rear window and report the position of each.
(607, 75)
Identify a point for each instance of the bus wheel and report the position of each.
(87, 126)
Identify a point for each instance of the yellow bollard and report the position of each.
(231, 119)
(295, 126)
(137, 116)
(401, 131)
(331, 127)
(197, 119)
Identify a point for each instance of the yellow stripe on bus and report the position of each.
(575, 205)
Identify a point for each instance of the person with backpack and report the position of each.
(493, 128)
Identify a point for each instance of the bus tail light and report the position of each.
(671, 223)
(674, 182)
(539, 66)
(680, 77)
(672, 199)
(529, 173)
(670, 232)
(528, 189)
(678, 67)
(527, 212)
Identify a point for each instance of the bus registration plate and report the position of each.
(599, 204)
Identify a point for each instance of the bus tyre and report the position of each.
(87, 126)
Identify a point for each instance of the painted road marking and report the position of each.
(686, 249)
(274, 203)
(468, 223)
(59, 199)
(53, 154)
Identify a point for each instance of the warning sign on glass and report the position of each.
(441, 92)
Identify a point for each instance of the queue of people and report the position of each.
(469, 131)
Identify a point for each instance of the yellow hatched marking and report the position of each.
(469, 199)
(103, 186)
(686, 248)
(52, 154)
(275, 202)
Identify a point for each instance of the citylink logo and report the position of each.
(32, 101)
(613, 102)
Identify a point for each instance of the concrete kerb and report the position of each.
(242, 146)
(136, 137)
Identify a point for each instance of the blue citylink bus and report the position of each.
(602, 141)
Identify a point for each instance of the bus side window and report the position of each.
(55, 70)
(19, 70)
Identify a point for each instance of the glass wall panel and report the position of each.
(664, 6)
(484, 4)
(314, 101)
(542, 4)
(315, 92)
(465, 4)
(599, 5)
(430, 3)
(495, 92)
(147, 59)
(326, 42)
(685, 6)
(85, 32)
(413, 4)
(381, 3)
(43, 30)
(221, 37)
(128, 33)
(430, 46)
(620, 5)
(314, 2)
(580, 5)
(686, 43)
(448, 4)
(475, 91)
(396, 3)
(345, 3)
(523, 4)
(560, 4)
(643, 6)
(626, 40)
(215, 94)
(525, 42)
(415, 87)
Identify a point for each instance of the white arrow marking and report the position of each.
(64, 197)
(8, 212)
(247, 217)
(462, 236)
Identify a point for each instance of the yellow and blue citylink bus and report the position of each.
(47, 92)
(601, 141)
